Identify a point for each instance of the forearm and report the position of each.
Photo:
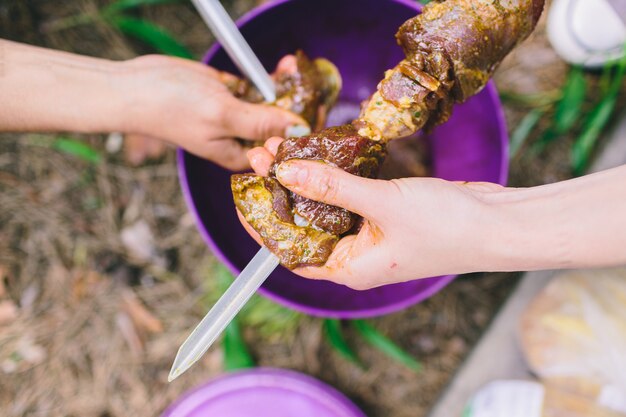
(579, 223)
(45, 90)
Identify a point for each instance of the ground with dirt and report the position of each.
(92, 329)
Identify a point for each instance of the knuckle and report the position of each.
(217, 114)
(263, 128)
(328, 187)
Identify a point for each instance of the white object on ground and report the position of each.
(588, 32)
(508, 399)
(114, 142)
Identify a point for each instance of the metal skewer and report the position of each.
(223, 312)
(236, 46)
(264, 262)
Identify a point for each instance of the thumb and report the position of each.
(321, 182)
(259, 121)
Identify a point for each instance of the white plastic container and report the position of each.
(588, 32)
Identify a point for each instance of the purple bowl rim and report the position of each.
(322, 312)
(332, 392)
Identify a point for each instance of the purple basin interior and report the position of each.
(358, 36)
(263, 392)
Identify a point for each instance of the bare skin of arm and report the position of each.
(416, 228)
(180, 101)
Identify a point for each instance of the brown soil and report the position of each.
(73, 348)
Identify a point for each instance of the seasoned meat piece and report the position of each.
(303, 232)
(268, 212)
(305, 87)
(452, 50)
(341, 147)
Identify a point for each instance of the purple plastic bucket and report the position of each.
(263, 392)
(358, 36)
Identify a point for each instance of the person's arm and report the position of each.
(578, 223)
(180, 101)
(423, 227)
(45, 90)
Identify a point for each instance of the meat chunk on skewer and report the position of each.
(452, 50)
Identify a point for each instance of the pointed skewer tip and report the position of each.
(174, 373)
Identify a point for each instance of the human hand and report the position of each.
(413, 228)
(183, 102)
(187, 104)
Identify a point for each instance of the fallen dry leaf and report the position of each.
(8, 312)
(135, 206)
(83, 283)
(139, 148)
(142, 318)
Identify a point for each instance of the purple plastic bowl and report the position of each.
(263, 392)
(358, 36)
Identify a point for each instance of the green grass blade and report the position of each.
(569, 107)
(77, 148)
(584, 145)
(235, 350)
(531, 100)
(544, 139)
(122, 5)
(151, 34)
(385, 345)
(523, 130)
(236, 354)
(332, 330)
(597, 121)
(605, 79)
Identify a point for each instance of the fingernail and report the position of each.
(297, 131)
(288, 174)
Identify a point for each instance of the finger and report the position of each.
(138, 148)
(227, 77)
(227, 153)
(272, 144)
(354, 262)
(257, 121)
(253, 233)
(339, 268)
(135, 149)
(330, 185)
(260, 160)
(156, 148)
(287, 65)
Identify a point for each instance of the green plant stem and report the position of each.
(524, 129)
(531, 100)
(334, 334)
(386, 345)
(236, 354)
(72, 21)
(597, 121)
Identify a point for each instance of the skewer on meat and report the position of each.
(306, 87)
(452, 50)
